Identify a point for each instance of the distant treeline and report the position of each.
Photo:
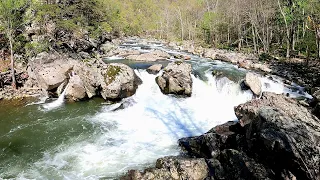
(282, 27)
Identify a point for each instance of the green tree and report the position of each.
(11, 20)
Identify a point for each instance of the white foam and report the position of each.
(277, 86)
(57, 103)
(112, 58)
(147, 129)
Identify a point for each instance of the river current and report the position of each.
(95, 140)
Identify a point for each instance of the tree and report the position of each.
(11, 20)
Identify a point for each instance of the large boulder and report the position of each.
(119, 81)
(254, 83)
(75, 89)
(172, 168)
(176, 79)
(49, 70)
(154, 69)
(275, 138)
(282, 134)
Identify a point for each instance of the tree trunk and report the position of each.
(14, 85)
(288, 48)
(254, 40)
(287, 30)
(318, 40)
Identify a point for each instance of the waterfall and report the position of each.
(57, 103)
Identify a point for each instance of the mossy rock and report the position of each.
(111, 73)
(217, 73)
(178, 62)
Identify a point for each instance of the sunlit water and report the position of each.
(93, 140)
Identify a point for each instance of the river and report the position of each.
(54, 139)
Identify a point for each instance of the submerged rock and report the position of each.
(254, 83)
(276, 138)
(119, 81)
(176, 79)
(172, 168)
(154, 69)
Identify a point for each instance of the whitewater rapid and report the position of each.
(147, 126)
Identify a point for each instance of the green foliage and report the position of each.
(265, 57)
(69, 25)
(34, 48)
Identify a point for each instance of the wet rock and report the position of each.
(254, 83)
(243, 86)
(172, 168)
(154, 69)
(119, 81)
(209, 144)
(75, 89)
(232, 75)
(176, 79)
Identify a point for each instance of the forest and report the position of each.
(286, 28)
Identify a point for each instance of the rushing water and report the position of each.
(94, 140)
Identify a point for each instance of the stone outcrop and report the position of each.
(154, 69)
(275, 138)
(176, 79)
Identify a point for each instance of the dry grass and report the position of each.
(4, 65)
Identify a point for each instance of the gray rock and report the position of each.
(172, 168)
(176, 79)
(119, 81)
(154, 69)
(107, 47)
(316, 95)
(282, 134)
(75, 89)
(254, 83)
(275, 138)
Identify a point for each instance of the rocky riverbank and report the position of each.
(275, 138)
